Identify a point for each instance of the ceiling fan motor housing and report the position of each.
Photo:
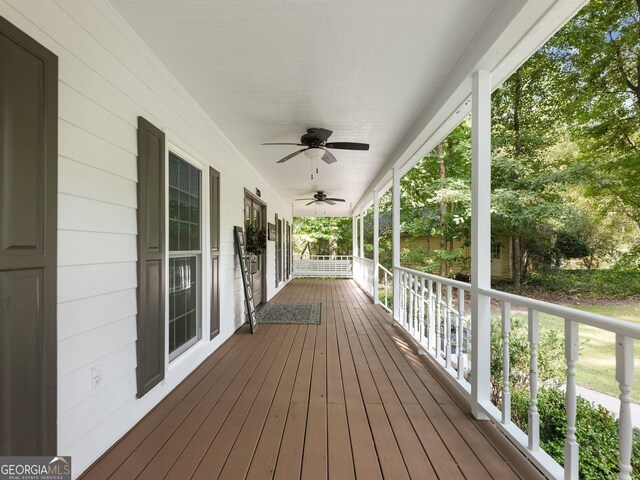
(315, 137)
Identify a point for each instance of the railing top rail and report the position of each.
(385, 270)
(365, 259)
(321, 257)
(436, 278)
(626, 328)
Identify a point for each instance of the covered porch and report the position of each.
(348, 398)
(167, 127)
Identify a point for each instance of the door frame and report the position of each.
(263, 261)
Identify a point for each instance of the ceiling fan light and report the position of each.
(314, 153)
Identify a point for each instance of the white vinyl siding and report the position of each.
(107, 78)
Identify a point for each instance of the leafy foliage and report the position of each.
(599, 54)
(629, 260)
(565, 164)
(566, 161)
(322, 235)
(551, 365)
(570, 245)
(596, 432)
(611, 283)
(597, 428)
(256, 239)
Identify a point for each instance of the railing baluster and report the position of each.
(447, 335)
(416, 315)
(624, 376)
(421, 318)
(385, 290)
(405, 306)
(411, 302)
(571, 347)
(506, 393)
(430, 317)
(409, 299)
(438, 318)
(460, 332)
(399, 292)
(534, 416)
(400, 296)
(403, 285)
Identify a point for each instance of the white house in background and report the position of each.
(130, 146)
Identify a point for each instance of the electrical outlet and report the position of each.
(96, 376)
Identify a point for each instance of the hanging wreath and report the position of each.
(256, 240)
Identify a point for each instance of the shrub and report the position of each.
(420, 259)
(596, 432)
(551, 366)
(569, 245)
(629, 260)
(614, 283)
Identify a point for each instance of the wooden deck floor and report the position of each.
(345, 399)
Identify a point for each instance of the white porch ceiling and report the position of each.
(266, 70)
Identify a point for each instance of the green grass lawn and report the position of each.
(596, 368)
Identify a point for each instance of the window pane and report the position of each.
(184, 205)
(182, 301)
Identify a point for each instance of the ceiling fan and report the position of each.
(321, 197)
(315, 143)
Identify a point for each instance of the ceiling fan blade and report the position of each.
(322, 134)
(329, 158)
(326, 200)
(303, 199)
(298, 144)
(347, 145)
(310, 203)
(336, 199)
(289, 157)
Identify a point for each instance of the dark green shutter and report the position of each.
(214, 213)
(278, 235)
(150, 345)
(288, 252)
(28, 233)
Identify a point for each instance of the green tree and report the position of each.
(436, 195)
(527, 121)
(599, 51)
(322, 235)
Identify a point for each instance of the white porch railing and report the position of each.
(322, 266)
(385, 287)
(432, 311)
(363, 274)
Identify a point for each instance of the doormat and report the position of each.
(308, 313)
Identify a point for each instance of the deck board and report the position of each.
(345, 399)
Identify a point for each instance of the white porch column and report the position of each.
(362, 234)
(395, 241)
(376, 249)
(354, 235)
(480, 241)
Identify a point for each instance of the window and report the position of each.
(496, 251)
(184, 255)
